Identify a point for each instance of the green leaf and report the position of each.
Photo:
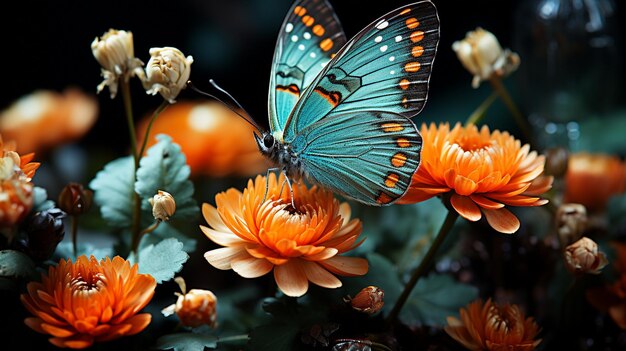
(186, 342)
(434, 298)
(65, 250)
(163, 260)
(16, 264)
(40, 200)
(165, 168)
(274, 337)
(165, 231)
(113, 192)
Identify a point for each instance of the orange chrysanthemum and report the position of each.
(484, 171)
(89, 301)
(607, 174)
(487, 326)
(300, 244)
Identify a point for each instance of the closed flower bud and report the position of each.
(583, 257)
(571, 221)
(115, 53)
(556, 161)
(193, 308)
(369, 300)
(163, 206)
(167, 72)
(481, 54)
(75, 200)
(44, 231)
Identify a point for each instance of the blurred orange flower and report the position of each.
(591, 179)
(300, 244)
(88, 301)
(612, 298)
(488, 326)
(485, 171)
(45, 119)
(215, 140)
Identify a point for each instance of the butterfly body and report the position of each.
(340, 110)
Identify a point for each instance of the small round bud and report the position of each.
(163, 206)
(75, 200)
(44, 230)
(583, 257)
(369, 300)
(571, 221)
(556, 161)
(167, 72)
(194, 308)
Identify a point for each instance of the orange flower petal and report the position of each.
(221, 238)
(75, 342)
(222, 258)
(320, 276)
(485, 202)
(251, 267)
(465, 207)
(291, 278)
(502, 220)
(347, 266)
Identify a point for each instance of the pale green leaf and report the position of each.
(16, 264)
(186, 342)
(163, 260)
(113, 192)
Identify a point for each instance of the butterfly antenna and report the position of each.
(246, 117)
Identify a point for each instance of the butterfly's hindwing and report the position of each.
(368, 156)
(386, 67)
(310, 34)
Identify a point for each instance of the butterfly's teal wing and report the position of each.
(386, 67)
(368, 156)
(310, 34)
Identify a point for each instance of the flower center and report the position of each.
(472, 142)
(90, 283)
(500, 320)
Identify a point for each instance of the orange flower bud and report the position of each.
(195, 307)
(163, 206)
(75, 200)
(571, 221)
(583, 257)
(369, 300)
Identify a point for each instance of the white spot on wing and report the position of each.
(307, 35)
(392, 58)
(392, 72)
(323, 64)
(382, 24)
(378, 39)
(294, 38)
(313, 55)
(288, 27)
(383, 48)
(301, 47)
(398, 38)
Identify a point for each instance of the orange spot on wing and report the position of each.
(412, 23)
(292, 88)
(383, 198)
(399, 159)
(405, 102)
(403, 142)
(416, 36)
(405, 11)
(417, 51)
(404, 84)
(318, 30)
(326, 44)
(299, 10)
(392, 180)
(333, 97)
(308, 20)
(392, 127)
(412, 67)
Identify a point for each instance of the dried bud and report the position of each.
(556, 161)
(571, 221)
(369, 300)
(115, 53)
(481, 54)
(163, 206)
(167, 72)
(75, 200)
(44, 232)
(193, 308)
(583, 257)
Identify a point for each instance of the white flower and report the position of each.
(583, 257)
(163, 205)
(481, 54)
(167, 72)
(114, 51)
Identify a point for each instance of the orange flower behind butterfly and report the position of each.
(79, 303)
(484, 171)
(488, 326)
(300, 244)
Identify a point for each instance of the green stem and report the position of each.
(156, 113)
(137, 240)
(241, 337)
(481, 110)
(522, 123)
(424, 266)
(75, 234)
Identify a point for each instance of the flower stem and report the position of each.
(137, 239)
(75, 234)
(522, 123)
(424, 265)
(156, 113)
(480, 111)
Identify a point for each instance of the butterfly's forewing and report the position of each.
(368, 156)
(309, 35)
(386, 67)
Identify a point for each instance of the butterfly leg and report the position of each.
(267, 182)
(293, 204)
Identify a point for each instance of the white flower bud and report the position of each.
(163, 206)
(583, 257)
(167, 72)
(115, 53)
(481, 54)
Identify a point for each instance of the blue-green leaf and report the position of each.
(113, 192)
(16, 264)
(434, 298)
(163, 260)
(164, 231)
(186, 342)
(40, 200)
(65, 250)
(165, 168)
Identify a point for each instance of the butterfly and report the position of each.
(339, 110)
